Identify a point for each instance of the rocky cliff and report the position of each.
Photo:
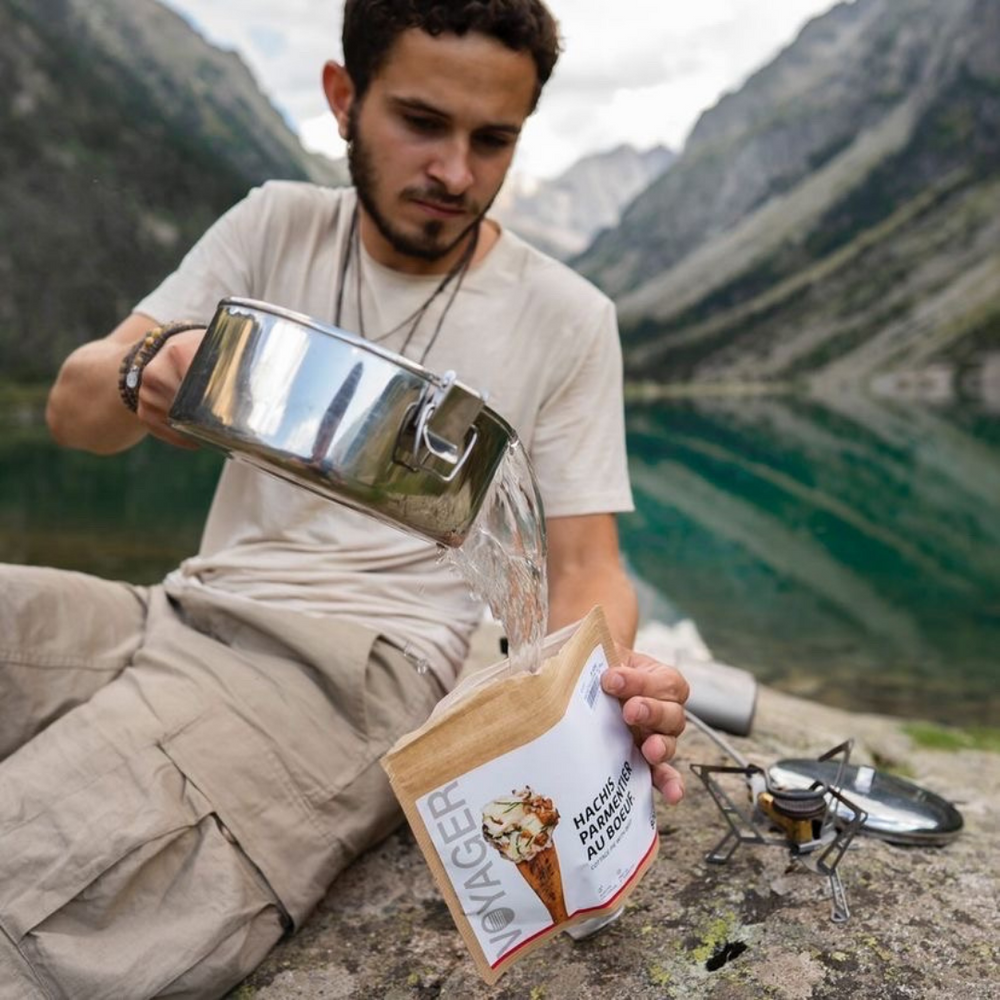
(835, 219)
(563, 215)
(123, 134)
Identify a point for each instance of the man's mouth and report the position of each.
(439, 209)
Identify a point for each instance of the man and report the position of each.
(195, 762)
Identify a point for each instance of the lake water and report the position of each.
(846, 550)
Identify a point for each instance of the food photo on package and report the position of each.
(530, 801)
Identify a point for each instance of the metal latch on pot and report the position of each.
(440, 435)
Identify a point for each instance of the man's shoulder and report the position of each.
(279, 214)
(304, 194)
(545, 276)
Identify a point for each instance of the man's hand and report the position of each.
(161, 379)
(652, 697)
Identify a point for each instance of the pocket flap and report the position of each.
(52, 856)
(234, 763)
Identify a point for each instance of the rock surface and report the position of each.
(923, 920)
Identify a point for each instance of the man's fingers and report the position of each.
(668, 782)
(653, 716)
(650, 680)
(657, 748)
(171, 438)
(652, 696)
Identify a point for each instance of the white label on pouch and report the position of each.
(553, 829)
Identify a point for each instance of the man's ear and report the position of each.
(339, 90)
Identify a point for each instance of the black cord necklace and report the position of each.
(457, 271)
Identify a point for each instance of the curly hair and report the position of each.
(371, 27)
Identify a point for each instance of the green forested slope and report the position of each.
(123, 134)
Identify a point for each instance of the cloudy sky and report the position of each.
(638, 71)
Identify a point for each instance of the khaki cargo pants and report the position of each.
(178, 786)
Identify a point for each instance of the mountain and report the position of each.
(563, 215)
(123, 135)
(836, 219)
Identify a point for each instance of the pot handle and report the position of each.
(440, 430)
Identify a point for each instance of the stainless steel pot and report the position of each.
(341, 417)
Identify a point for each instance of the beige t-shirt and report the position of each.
(526, 331)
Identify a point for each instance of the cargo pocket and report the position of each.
(131, 883)
(237, 765)
(301, 678)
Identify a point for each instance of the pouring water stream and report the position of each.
(503, 558)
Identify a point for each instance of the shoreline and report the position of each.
(652, 392)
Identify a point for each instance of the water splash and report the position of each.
(503, 558)
(417, 658)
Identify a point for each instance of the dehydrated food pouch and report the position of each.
(529, 799)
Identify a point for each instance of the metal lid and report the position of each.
(898, 810)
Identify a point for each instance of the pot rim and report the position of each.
(338, 333)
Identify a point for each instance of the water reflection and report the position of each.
(132, 516)
(845, 549)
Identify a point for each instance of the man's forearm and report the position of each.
(84, 409)
(571, 598)
(585, 569)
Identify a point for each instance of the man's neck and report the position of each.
(377, 248)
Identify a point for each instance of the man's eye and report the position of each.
(493, 141)
(420, 123)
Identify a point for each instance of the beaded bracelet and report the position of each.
(141, 353)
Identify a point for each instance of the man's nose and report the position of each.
(451, 167)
